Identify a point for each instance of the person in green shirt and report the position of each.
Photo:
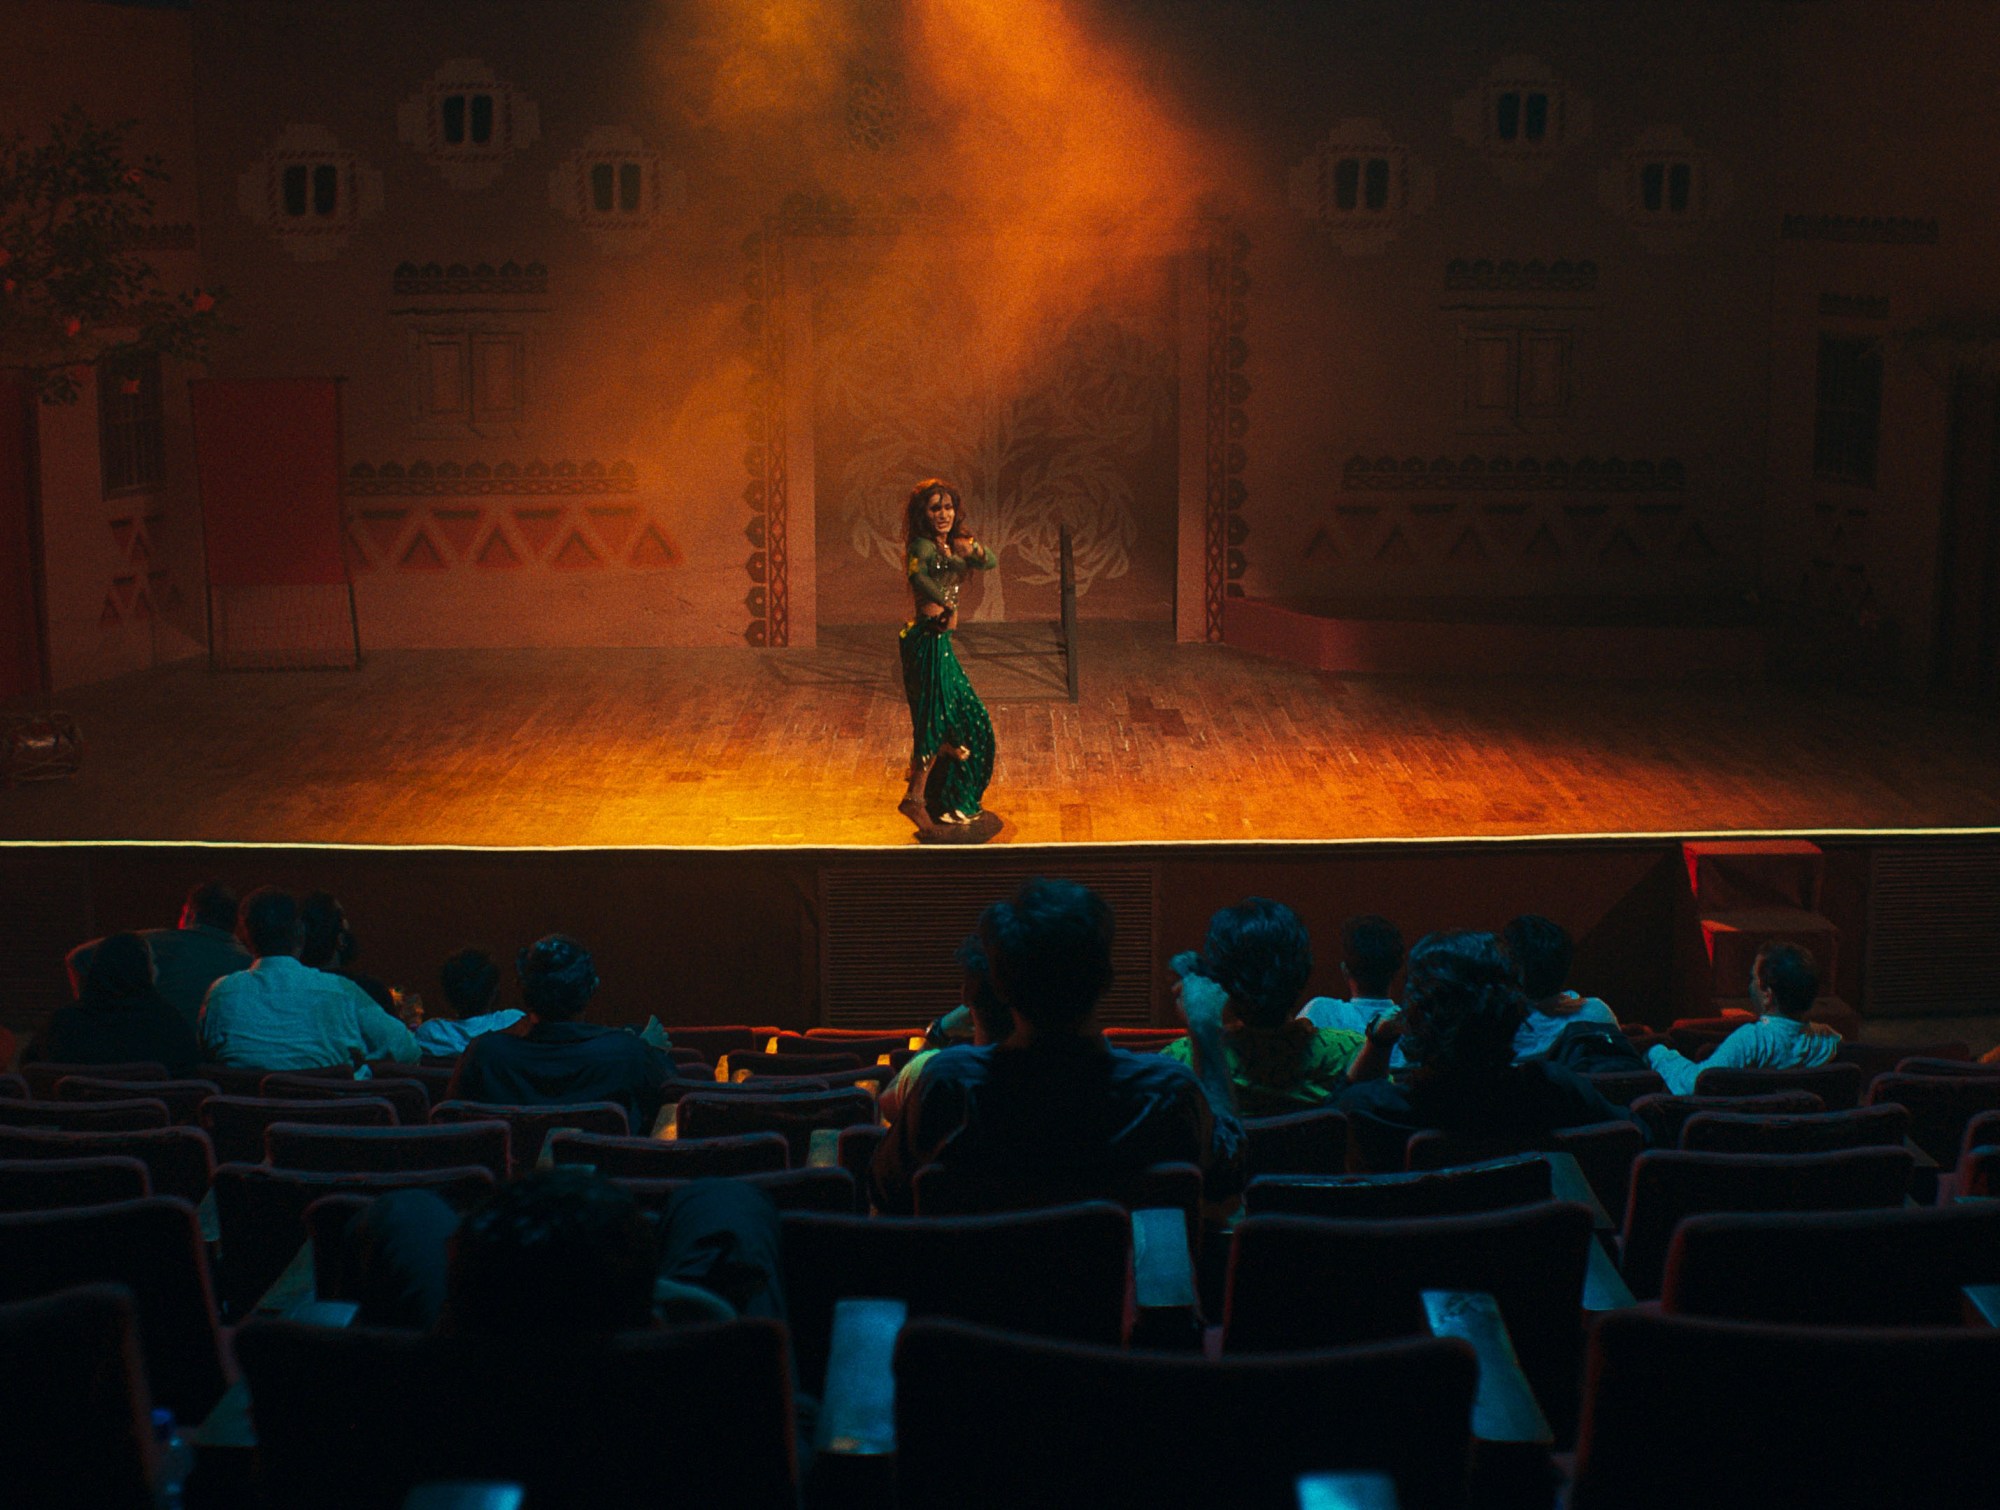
(947, 720)
(1259, 953)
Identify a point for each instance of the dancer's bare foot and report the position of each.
(954, 816)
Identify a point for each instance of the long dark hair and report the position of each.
(916, 526)
(1462, 1003)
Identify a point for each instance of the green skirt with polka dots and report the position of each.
(945, 710)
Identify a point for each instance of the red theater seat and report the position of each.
(178, 1160)
(531, 1125)
(387, 1150)
(81, 1436)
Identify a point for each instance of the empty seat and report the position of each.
(1068, 1424)
(178, 1160)
(1664, 1116)
(531, 1125)
(671, 1158)
(1493, 1186)
(704, 1114)
(1895, 1267)
(1940, 1106)
(153, 1248)
(942, 1190)
(356, 1417)
(1669, 1184)
(1979, 1172)
(1604, 1151)
(386, 1150)
(1837, 1085)
(1055, 1273)
(1982, 1130)
(870, 1046)
(13, 1088)
(235, 1080)
(261, 1215)
(235, 1124)
(183, 1098)
(1143, 1040)
(1313, 1141)
(712, 1042)
(1880, 1058)
(76, 1431)
(1369, 1277)
(1827, 1416)
(432, 1074)
(86, 1116)
(1934, 1064)
(1809, 1132)
(42, 1076)
(411, 1100)
(48, 1184)
(770, 1066)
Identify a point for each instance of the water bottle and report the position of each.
(176, 1459)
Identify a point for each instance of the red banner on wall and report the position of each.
(267, 458)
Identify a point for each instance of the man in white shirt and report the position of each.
(282, 1015)
(1371, 954)
(1783, 982)
(471, 984)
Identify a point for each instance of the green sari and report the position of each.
(943, 707)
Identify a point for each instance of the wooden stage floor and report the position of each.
(806, 747)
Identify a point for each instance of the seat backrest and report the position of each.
(1979, 1172)
(1492, 1186)
(1895, 1267)
(86, 1116)
(870, 1046)
(945, 1190)
(715, 1041)
(47, 1184)
(1313, 1141)
(235, 1124)
(773, 1066)
(1862, 1416)
(1880, 1058)
(410, 1097)
(1837, 1084)
(1143, 1040)
(13, 1088)
(1940, 1106)
(386, 1150)
(183, 1098)
(1670, 1184)
(1604, 1151)
(153, 1247)
(178, 1160)
(261, 1215)
(1981, 1130)
(532, 1125)
(1371, 1275)
(1810, 1132)
(671, 1158)
(235, 1080)
(1055, 1273)
(433, 1074)
(706, 1115)
(697, 1415)
(1076, 1425)
(829, 1190)
(1664, 1116)
(42, 1076)
(1623, 1087)
(856, 1150)
(1934, 1064)
(82, 1434)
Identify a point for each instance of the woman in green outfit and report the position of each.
(947, 720)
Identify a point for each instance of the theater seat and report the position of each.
(1070, 1426)
(80, 1436)
(50, 1184)
(178, 1160)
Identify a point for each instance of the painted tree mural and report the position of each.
(1037, 437)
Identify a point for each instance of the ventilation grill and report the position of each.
(887, 932)
(1934, 931)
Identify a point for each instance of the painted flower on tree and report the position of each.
(73, 213)
(1036, 438)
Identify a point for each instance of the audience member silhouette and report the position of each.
(1462, 1007)
(562, 1060)
(187, 958)
(1541, 951)
(1259, 953)
(1784, 981)
(1053, 1109)
(283, 1015)
(326, 942)
(121, 1018)
(1371, 953)
(470, 983)
(980, 1017)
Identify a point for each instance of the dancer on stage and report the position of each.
(947, 720)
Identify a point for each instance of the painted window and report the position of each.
(131, 429)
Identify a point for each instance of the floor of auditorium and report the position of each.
(1167, 742)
